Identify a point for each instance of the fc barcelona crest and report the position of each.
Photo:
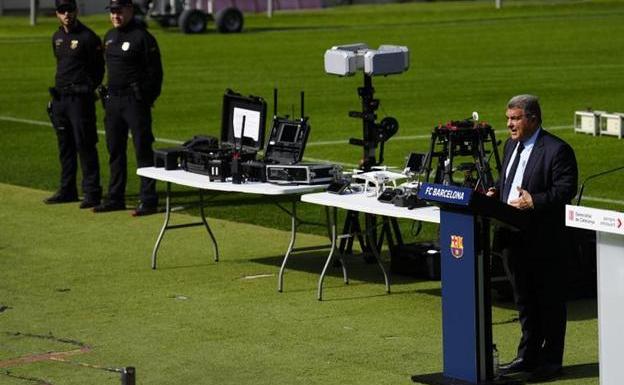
(457, 246)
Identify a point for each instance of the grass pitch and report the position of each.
(72, 279)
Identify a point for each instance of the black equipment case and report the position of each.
(237, 142)
(169, 157)
(287, 141)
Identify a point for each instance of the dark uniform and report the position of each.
(134, 82)
(80, 69)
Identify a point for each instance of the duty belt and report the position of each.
(126, 91)
(73, 89)
(133, 89)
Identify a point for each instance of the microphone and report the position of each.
(578, 201)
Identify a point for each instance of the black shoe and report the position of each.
(544, 373)
(517, 365)
(107, 206)
(144, 209)
(60, 197)
(88, 203)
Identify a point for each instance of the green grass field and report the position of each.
(83, 277)
(194, 321)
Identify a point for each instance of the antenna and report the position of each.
(242, 138)
(302, 114)
(235, 166)
(275, 101)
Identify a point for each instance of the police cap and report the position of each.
(116, 4)
(65, 5)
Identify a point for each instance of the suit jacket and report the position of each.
(551, 177)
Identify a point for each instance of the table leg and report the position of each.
(340, 253)
(291, 245)
(334, 236)
(164, 226)
(203, 218)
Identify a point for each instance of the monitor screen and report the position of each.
(288, 133)
(415, 162)
(252, 123)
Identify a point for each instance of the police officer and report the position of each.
(134, 82)
(79, 70)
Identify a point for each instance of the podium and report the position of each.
(609, 228)
(465, 218)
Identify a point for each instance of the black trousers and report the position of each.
(537, 275)
(125, 114)
(74, 123)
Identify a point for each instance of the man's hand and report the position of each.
(524, 201)
(492, 192)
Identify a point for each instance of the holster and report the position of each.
(54, 93)
(136, 89)
(102, 92)
(55, 96)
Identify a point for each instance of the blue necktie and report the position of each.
(512, 173)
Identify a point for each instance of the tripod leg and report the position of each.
(377, 256)
(346, 229)
(370, 229)
(397, 231)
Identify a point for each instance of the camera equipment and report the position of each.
(236, 155)
(254, 171)
(466, 138)
(346, 60)
(414, 163)
(339, 186)
(242, 136)
(169, 157)
(302, 173)
(288, 137)
(389, 193)
(285, 148)
(409, 198)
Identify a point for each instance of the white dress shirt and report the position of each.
(524, 158)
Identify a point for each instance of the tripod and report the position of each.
(374, 136)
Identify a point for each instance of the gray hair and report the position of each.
(529, 105)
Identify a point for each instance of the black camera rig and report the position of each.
(349, 59)
(463, 138)
(374, 134)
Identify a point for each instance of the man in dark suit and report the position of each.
(539, 175)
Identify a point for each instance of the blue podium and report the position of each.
(465, 218)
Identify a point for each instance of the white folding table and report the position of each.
(202, 182)
(361, 202)
(609, 228)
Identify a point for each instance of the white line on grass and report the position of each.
(258, 276)
(603, 200)
(412, 137)
(319, 143)
(25, 121)
(100, 132)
